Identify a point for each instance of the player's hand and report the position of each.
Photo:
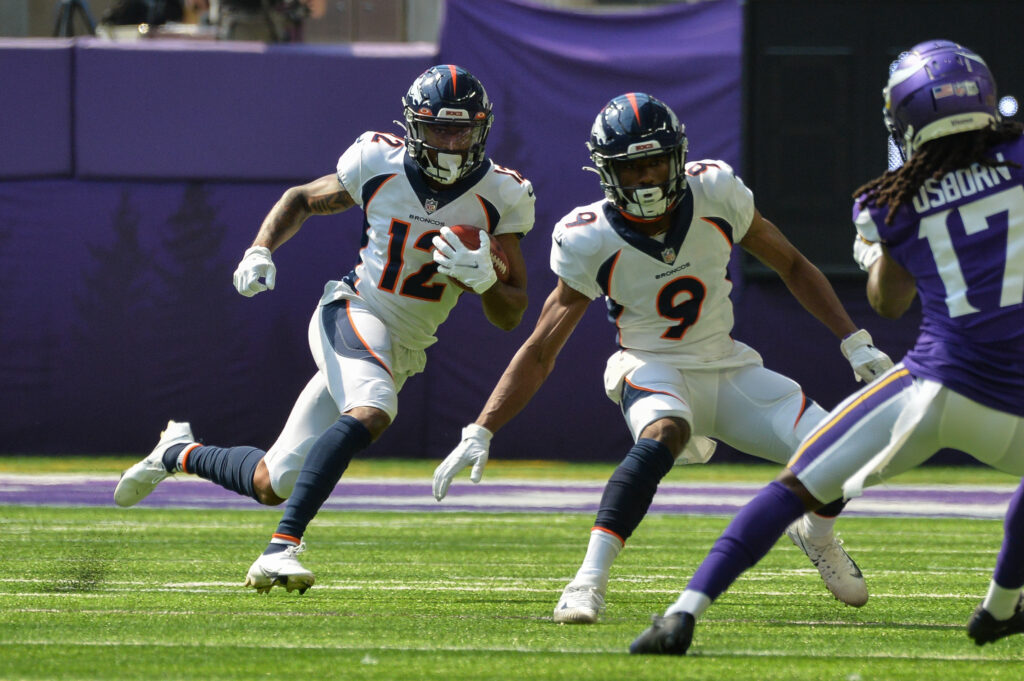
(868, 362)
(476, 441)
(256, 265)
(472, 268)
(866, 253)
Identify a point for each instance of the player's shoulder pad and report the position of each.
(512, 186)
(379, 145)
(579, 231)
(714, 179)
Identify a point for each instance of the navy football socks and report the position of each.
(630, 490)
(326, 462)
(230, 467)
(170, 457)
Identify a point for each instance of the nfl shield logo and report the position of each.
(669, 255)
(430, 205)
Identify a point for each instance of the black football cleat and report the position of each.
(668, 635)
(984, 628)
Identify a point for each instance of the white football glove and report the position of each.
(476, 441)
(868, 362)
(472, 268)
(866, 253)
(256, 265)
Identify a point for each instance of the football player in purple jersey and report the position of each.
(371, 328)
(946, 227)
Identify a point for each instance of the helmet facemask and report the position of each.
(643, 201)
(446, 163)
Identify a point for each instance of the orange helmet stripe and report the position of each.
(451, 67)
(632, 100)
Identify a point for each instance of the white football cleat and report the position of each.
(840, 573)
(579, 605)
(281, 568)
(138, 481)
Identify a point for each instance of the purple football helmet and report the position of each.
(938, 88)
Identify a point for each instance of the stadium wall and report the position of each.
(135, 174)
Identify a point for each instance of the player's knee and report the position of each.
(375, 420)
(789, 479)
(671, 431)
(263, 491)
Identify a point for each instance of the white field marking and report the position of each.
(839, 624)
(233, 587)
(704, 652)
(59, 478)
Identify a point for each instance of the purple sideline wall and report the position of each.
(35, 107)
(120, 225)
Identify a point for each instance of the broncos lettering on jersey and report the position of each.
(396, 274)
(667, 294)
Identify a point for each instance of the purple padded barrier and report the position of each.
(119, 311)
(35, 107)
(233, 111)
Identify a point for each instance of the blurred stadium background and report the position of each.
(133, 173)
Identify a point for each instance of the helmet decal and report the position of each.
(632, 100)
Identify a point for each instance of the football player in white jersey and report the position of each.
(369, 332)
(657, 248)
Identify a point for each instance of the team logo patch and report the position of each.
(668, 255)
(430, 205)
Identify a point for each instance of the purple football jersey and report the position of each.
(962, 238)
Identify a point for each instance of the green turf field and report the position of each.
(107, 593)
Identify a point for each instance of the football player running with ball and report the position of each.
(370, 329)
(657, 247)
(948, 226)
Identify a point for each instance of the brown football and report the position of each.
(470, 237)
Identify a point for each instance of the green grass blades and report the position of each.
(104, 593)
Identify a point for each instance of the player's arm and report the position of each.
(324, 196)
(504, 303)
(891, 288)
(523, 377)
(535, 359)
(803, 279)
(814, 292)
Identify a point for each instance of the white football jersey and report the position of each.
(668, 296)
(396, 274)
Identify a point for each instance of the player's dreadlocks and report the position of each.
(935, 159)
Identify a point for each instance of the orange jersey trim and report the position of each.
(713, 224)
